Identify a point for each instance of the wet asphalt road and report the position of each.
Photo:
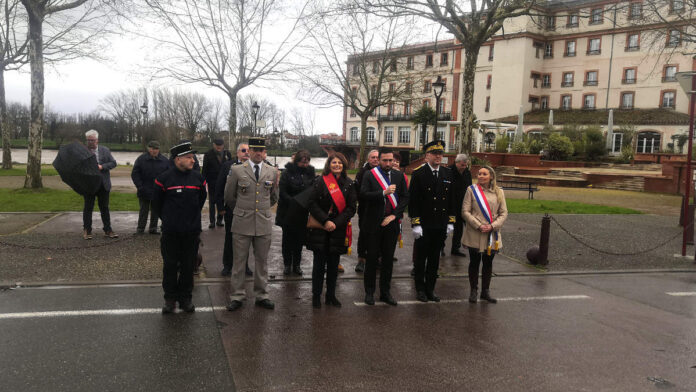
(554, 333)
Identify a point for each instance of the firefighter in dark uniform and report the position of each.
(432, 211)
(179, 197)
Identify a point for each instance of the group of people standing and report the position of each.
(313, 211)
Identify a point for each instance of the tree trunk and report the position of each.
(232, 121)
(4, 125)
(363, 140)
(33, 177)
(466, 137)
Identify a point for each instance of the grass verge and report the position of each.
(21, 171)
(54, 200)
(523, 206)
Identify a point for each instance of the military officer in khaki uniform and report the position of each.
(252, 188)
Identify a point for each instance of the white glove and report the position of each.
(450, 228)
(417, 232)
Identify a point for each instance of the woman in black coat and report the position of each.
(331, 241)
(297, 177)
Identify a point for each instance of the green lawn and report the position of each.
(46, 199)
(21, 171)
(524, 206)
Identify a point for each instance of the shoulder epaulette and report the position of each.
(419, 167)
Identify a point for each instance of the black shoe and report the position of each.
(333, 301)
(248, 272)
(297, 270)
(187, 306)
(226, 271)
(234, 305)
(140, 231)
(154, 231)
(316, 302)
(486, 295)
(265, 303)
(287, 270)
(432, 297)
(219, 223)
(169, 306)
(196, 270)
(387, 298)
(211, 225)
(473, 295)
(457, 252)
(360, 267)
(421, 296)
(394, 260)
(370, 299)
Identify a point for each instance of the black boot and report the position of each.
(473, 295)
(486, 295)
(297, 270)
(332, 300)
(169, 306)
(316, 301)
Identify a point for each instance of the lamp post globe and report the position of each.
(254, 111)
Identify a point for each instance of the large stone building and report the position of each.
(576, 56)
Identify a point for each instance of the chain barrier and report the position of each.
(65, 248)
(573, 236)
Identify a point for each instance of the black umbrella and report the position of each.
(78, 168)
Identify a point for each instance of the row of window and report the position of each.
(410, 64)
(667, 101)
(407, 108)
(594, 44)
(669, 74)
(596, 17)
(404, 135)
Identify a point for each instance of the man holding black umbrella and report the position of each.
(105, 162)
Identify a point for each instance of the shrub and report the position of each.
(479, 162)
(594, 147)
(501, 144)
(520, 148)
(626, 154)
(559, 148)
(534, 146)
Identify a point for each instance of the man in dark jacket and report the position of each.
(105, 162)
(212, 163)
(296, 178)
(384, 196)
(372, 162)
(461, 180)
(179, 197)
(146, 168)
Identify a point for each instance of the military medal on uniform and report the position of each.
(493, 241)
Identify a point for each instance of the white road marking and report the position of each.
(682, 294)
(456, 301)
(96, 312)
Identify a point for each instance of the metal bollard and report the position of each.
(543, 258)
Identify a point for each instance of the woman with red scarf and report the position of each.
(331, 207)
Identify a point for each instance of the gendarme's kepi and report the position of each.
(435, 147)
(257, 142)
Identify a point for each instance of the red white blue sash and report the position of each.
(383, 182)
(485, 208)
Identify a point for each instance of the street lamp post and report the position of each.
(143, 110)
(687, 80)
(254, 110)
(438, 88)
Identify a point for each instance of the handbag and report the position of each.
(313, 223)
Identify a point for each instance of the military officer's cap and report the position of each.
(257, 142)
(181, 149)
(435, 147)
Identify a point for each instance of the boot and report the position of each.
(169, 306)
(287, 270)
(297, 270)
(486, 295)
(332, 300)
(473, 294)
(316, 301)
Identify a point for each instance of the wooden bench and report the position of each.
(519, 186)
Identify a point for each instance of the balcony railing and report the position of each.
(333, 141)
(357, 143)
(567, 84)
(569, 54)
(395, 117)
(589, 83)
(444, 116)
(593, 52)
(669, 79)
(572, 24)
(628, 81)
(632, 48)
(546, 85)
(548, 56)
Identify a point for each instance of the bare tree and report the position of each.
(192, 109)
(245, 112)
(677, 19)
(123, 107)
(224, 44)
(302, 121)
(369, 81)
(472, 23)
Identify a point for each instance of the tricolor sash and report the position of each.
(383, 182)
(482, 202)
(340, 202)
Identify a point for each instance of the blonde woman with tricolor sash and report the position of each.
(485, 211)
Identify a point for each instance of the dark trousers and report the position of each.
(475, 259)
(325, 262)
(103, 201)
(457, 234)
(293, 238)
(362, 242)
(381, 243)
(211, 203)
(145, 209)
(228, 253)
(179, 254)
(428, 258)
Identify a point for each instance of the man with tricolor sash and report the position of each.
(384, 195)
(432, 210)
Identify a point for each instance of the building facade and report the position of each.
(572, 55)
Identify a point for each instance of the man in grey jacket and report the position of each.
(105, 162)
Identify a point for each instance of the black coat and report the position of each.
(219, 197)
(179, 197)
(374, 201)
(293, 181)
(432, 203)
(145, 169)
(358, 184)
(212, 165)
(322, 207)
(461, 182)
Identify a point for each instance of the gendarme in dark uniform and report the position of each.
(179, 197)
(432, 211)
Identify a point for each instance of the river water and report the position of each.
(19, 155)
